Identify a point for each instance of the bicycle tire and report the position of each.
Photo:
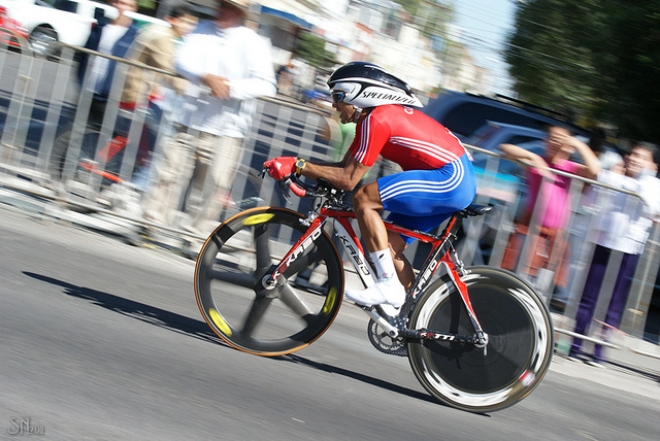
(231, 296)
(518, 353)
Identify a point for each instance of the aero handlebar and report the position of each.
(322, 188)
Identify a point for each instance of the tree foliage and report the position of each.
(599, 59)
(311, 48)
(430, 16)
(409, 5)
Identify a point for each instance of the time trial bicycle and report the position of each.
(270, 281)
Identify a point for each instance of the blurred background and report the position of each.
(492, 71)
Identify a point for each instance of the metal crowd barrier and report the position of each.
(43, 107)
(587, 196)
(40, 101)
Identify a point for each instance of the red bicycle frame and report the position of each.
(442, 254)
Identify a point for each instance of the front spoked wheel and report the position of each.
(518, 353)
(241, 308)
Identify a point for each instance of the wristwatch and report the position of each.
(300, 165)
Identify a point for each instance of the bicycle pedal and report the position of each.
(389, 310)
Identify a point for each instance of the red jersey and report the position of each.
(406, 136)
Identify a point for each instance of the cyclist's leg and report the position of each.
(420, 196)
(388, 288)
(404, 269)
(421, 200)
(368, 207)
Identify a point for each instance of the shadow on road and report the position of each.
(360, 377)
(652, 375)
(140, 311)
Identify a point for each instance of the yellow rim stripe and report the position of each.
(258, 219)
(330, 300)
(220, 322)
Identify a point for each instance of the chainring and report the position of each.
(382, 341)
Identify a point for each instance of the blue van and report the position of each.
(464, 113)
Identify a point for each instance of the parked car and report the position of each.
(499, 180)
(464, 113)
(48, 21)
(9, 28)
(318, 97)
(66, 21)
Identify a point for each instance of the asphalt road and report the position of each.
(100, 340)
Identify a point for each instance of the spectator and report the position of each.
(155, 46)
(624, 223)
(110, 37)
(285, 78)
(347, 136)
(346, 124)
(215, 55)
(607, 156)
(554, 206)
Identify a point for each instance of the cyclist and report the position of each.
(437, 177)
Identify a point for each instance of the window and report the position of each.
(465, 118)
(522, 139)
(66, 5)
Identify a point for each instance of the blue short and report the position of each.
(423, 199)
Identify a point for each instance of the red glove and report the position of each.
(282, 167)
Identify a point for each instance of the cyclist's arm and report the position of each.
(371, 135)
(344, 175)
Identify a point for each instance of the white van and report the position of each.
(67, 21)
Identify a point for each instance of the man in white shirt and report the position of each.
(148, 91)
(623, 224)
(234, 64)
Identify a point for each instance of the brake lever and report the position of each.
(284, 190)
(280, 185)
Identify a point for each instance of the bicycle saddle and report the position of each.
(476, 210)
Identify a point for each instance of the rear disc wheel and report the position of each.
(519, 349)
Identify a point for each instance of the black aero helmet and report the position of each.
(367, 85)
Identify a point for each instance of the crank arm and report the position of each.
(391, 330)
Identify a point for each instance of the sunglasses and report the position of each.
(337, 97)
